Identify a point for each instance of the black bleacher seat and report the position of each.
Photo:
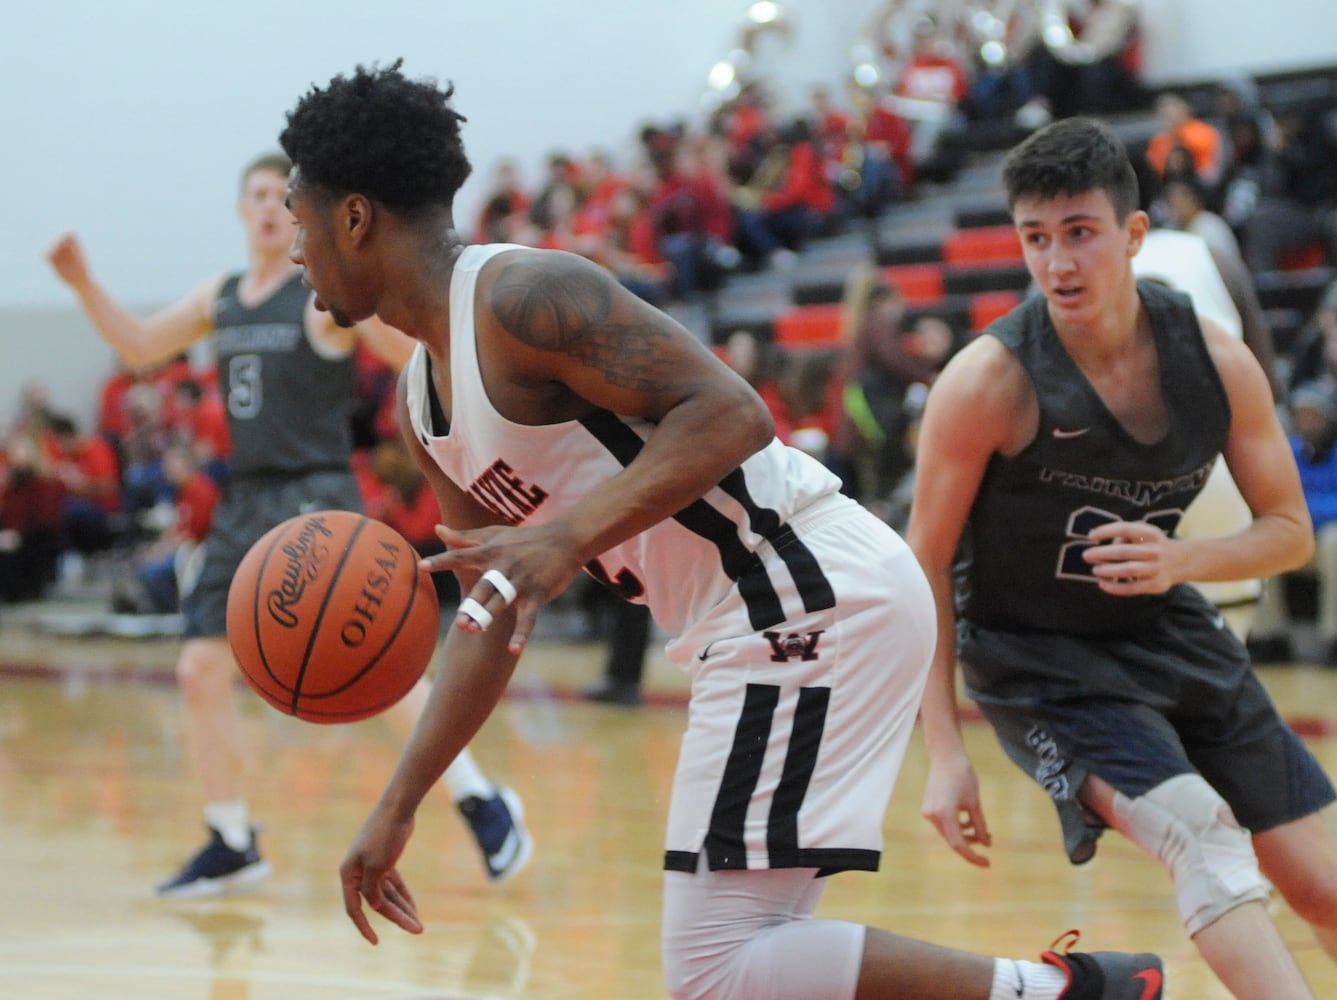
(909, 253)
(958, 280)
(725, 323)
(1299, 290)
(976, 216)
(817, 291)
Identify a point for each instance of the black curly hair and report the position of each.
(1071, 157)
(379, 134)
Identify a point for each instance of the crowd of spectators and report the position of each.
(745, 191)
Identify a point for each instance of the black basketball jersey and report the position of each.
(1022, 567)
(288, 408)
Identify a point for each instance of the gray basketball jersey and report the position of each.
(288, 408)
(1028, 527)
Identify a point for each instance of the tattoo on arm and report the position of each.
(563, 305)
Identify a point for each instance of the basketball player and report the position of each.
(286, 371)
(1062, 446)
(565, 424)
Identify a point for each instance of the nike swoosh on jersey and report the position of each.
(1060, 433)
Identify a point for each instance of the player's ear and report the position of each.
(356, 213)
(1138, 225)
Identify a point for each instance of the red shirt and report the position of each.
(112, 417)
(890, 131)
(30, 506)
(195, 503)
(89, 469)
(805, 183)
(206, 424)
(692, 204)
(931, 77)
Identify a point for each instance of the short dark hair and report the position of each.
(275, 162)
(62, 426)
(1070, 157)
(382, 135)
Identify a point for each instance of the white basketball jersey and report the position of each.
(738, 535)
(1182, 261)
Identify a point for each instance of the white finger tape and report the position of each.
(477, 612)
(501, 585)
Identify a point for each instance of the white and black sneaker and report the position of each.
(498, 824)
(216, 869)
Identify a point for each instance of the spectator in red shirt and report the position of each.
(200, 419)
(87, 469)
(31, 522)
(788, 199)
(929, 93)
(167, 567)
(883, 162)
(831, 130)
(626, 245)
(692, 223)
(504, 217)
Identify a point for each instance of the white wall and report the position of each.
(129, 121)
(1194, 40)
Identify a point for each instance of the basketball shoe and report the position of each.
(215, 869)
(1107, 975)
(498, 824)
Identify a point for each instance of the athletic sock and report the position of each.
(465, 779)
(232, 820)
(1013, 980)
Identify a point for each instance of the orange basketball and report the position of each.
(330, 618)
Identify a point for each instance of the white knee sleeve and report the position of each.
(1190, 828)
(750, 934)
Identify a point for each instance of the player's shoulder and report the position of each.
(205, 298)
(984, 360)
(984, 385)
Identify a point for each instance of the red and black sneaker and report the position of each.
(1107, 975)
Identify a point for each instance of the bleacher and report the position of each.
(953, 253)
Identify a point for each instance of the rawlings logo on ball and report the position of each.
(305, 555)
(331, 617)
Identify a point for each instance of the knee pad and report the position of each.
(1188, 826)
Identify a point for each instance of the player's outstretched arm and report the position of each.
(975, 409)
(141, 343)
(474, 670)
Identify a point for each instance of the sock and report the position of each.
(232, 821)
(1026, 980)
(465, 779)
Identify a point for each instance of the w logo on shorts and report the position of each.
(787, 647)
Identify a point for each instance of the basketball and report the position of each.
(330, 617)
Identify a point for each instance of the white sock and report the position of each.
(464, 778)
(1026, 980)
(232, 820)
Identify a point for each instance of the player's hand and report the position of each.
(952, 805)
(539, 562)
(1131, 557)
(369, 873)
(66, 257)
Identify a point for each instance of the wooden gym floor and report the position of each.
(96, 806)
